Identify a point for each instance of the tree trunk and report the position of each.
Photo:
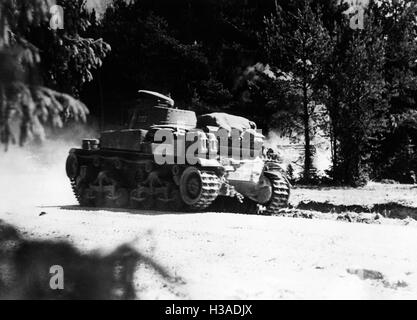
(307, 149)
(3, 129)
(333, 138)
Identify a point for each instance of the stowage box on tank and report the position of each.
(124, 169)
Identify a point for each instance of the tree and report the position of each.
(146, 54)
(358, 104)
(71, 55)
(398, 20)
(23, 96)
(197, 51)
(371, 93)
(299, 45)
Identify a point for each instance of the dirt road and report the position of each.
(222, 255)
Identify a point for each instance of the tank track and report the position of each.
(210, 190)
(75, 190)
(210, 186)
(280, 189)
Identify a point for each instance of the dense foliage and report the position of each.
(41, 70)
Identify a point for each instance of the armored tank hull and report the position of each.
(124, 169)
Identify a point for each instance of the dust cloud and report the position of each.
(291, 150)
(35, 174)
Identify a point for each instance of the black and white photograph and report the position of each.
(208, 150)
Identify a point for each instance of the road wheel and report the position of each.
(142, 199)
(86, 197)
(122, 198)
(198, 189)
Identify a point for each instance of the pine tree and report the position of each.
(23, 97)
(299, 44)
(358, 104)
(398, 19)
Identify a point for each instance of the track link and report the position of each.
(75, 190)
(280, 193)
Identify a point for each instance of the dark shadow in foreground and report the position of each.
(25, 267)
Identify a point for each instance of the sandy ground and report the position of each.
(223, 255)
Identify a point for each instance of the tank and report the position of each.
(170, 159)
